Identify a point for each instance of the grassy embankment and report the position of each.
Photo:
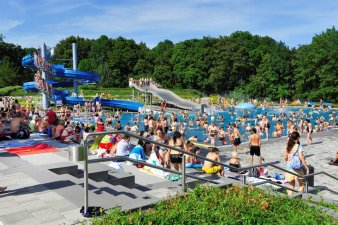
(90, 91)
(234, 205)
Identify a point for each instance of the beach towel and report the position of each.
(16, 144)
(30, 150)
(154, 160)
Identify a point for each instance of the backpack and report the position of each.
(254, 172)
(296, 163)
(23, 133)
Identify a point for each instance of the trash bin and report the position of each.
(311, 180)
(76, 153)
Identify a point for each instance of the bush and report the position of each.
(7, 91)
(236, 205)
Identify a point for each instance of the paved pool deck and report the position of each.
(30, 199)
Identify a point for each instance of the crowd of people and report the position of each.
(161, 127)
(41, 84)
(143, 82)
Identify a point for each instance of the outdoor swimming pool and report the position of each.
(231, 116)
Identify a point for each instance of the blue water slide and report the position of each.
(28, 62)
(121, 104)
(30, 86)
(61, 71)
(128, 105)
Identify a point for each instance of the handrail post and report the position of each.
(306, 186)
(85, 176)
(183, 173)
(244, 179)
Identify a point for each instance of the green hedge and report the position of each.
(235, 205)
(7, 91)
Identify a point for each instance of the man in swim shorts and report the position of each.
(255, 145)
(210, 167)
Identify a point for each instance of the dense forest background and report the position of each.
(249, 64)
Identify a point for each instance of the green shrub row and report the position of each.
(7, 91)
(236, 205)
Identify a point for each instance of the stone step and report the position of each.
(106, 195)
(63, 168)
(121, 178)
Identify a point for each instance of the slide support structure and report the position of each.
(45, 101)
(75, 82)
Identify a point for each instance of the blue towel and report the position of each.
(19, 144)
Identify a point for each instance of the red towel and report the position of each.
(35, 149)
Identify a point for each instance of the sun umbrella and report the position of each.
(245, 105)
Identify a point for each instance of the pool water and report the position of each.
(230, 116)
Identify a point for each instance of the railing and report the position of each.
(183, 173)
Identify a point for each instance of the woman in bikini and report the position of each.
(68, 131)
(160, 150)
(176, 156)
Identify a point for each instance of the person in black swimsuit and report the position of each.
(255, 145)
(175, 156)
(309, 130)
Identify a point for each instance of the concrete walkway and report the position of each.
(35, 195)
(323, 149)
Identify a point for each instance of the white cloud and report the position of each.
(8, 24)
(51, 7)
(152, 21)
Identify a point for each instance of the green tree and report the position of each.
(163, 66)
(316, 68)
(274, 75)
(191, 62)
(8, 73)
(64, 53)
(230, 65)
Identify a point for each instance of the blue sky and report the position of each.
(31, 22)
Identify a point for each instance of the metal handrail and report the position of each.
(273, 164)
(304, 176)
(177, 149)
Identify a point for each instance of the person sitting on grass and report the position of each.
(210, 167)
(334, 161)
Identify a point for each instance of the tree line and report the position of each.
(249, 64)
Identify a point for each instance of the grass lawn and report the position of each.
(236, 205)
(90, 91)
